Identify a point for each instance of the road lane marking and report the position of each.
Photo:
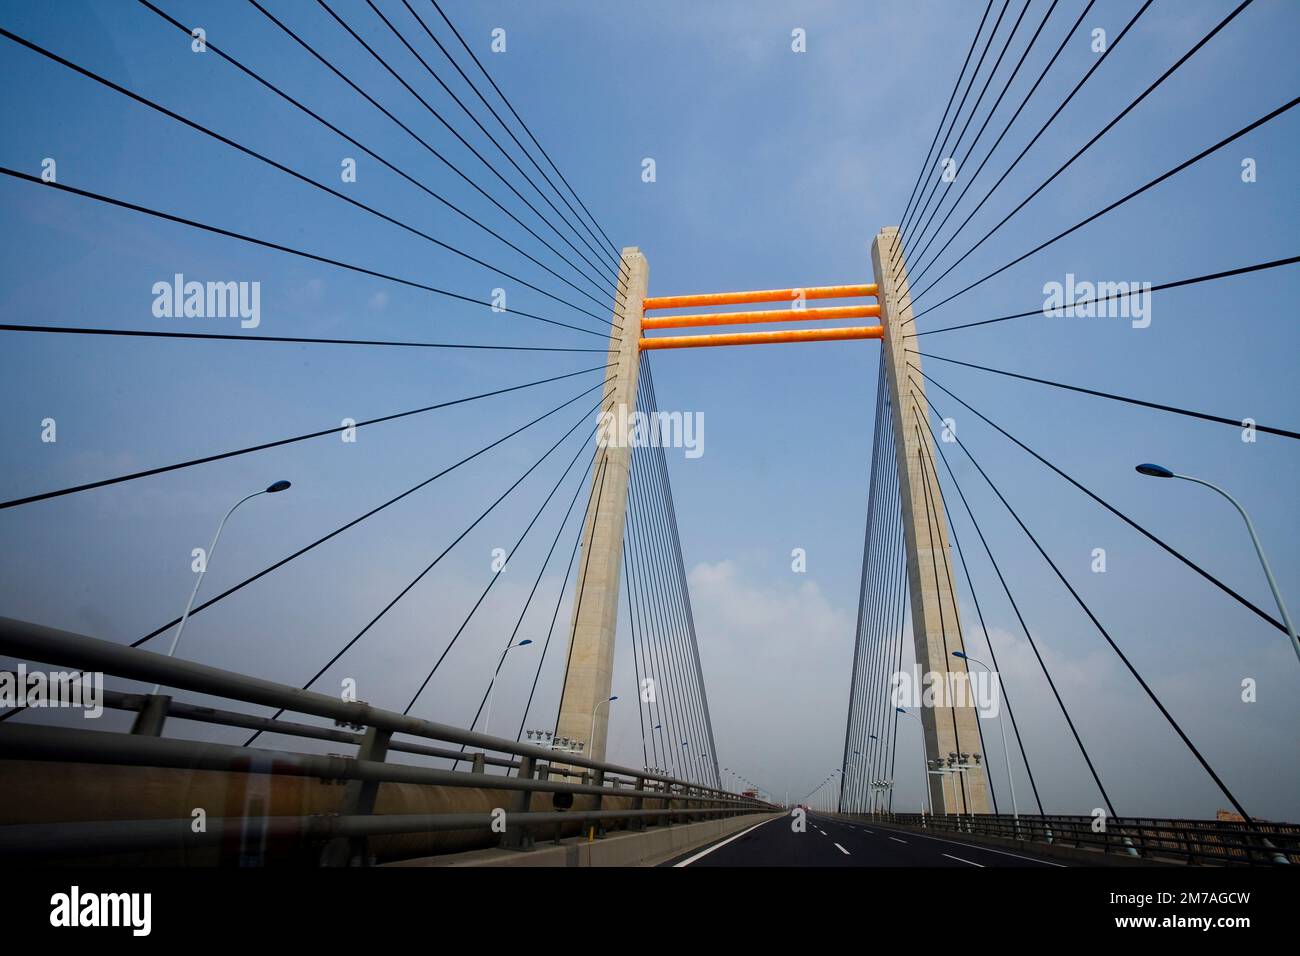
(897, 840)
(842, 850)
(705, 852)
(960, 860)
(989, 849)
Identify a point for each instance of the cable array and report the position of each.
(676, 728)
(882, 623)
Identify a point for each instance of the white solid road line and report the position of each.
(897, 840)
(842, 850)
(960, 860)
(705, 852)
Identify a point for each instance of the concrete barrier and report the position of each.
(630, 848)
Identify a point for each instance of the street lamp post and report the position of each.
(925, 776)
(591, 740)
(647, 736)
(492, 684)
(857, 783)
(271, 489)
(1159, 471)
(1006, 754)
(873, 800)
(942, 773)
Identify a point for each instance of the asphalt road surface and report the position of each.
(829, 842)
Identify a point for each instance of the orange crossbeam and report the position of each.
(764, 338)
(762, 295)
(766, 315)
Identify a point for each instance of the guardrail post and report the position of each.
(544, 773)
(638, 803)
(1277, 856)
(517, 836)
(480, 763)
(622, 823)
(597, 828)
(358, 800)
(149, 721)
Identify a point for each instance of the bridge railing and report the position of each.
(645, 797)
(1204, 842)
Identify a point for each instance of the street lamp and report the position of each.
(647, 737)
(704, 765)
(1006, 754)
(925, 776)
(944, 770)
(592, 738)
(1159, 471)
(271, 489)
(492, 684)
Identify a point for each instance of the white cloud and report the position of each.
(776, 661)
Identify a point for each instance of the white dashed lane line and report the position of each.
(987, 849)
(897, 840)
(960, 860)
(842, 850)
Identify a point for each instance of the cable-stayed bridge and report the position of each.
(208, 763)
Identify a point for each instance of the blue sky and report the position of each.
(773, 169)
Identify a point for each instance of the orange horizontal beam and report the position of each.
(762, 295)
(766, 315)
(763, 338)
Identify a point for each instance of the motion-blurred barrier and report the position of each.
(95, 795)
(1198, 842)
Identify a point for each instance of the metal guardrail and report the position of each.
(341, 837)
(1200, 842)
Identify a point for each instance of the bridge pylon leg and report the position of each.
(589, 675)
(950, 727)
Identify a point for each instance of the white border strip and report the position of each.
(703, 853)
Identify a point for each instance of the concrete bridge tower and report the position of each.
(936, 624)
(589, 674)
